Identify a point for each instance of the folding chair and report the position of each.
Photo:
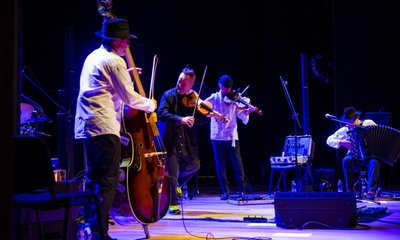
(34, 185)
(305, 153)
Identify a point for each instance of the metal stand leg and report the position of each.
(146, 231)
(284, 178)
(281, 175)
(270, 181)
(309, 175)
(359, 181)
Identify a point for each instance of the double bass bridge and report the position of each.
(153, 154)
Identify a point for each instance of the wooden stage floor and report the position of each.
(207, 217)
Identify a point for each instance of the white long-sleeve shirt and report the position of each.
(220, 130)
(104, 85)
(341, 134)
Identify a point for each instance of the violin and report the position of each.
(204, 107)
(239, 105)
(241, 102)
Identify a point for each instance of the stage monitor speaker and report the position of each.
(315, 210)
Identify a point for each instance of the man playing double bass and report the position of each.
(104, 85)
(179, 134)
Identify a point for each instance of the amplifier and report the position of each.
(289, 160)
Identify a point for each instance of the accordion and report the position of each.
(380, 142)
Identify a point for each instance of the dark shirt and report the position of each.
(177, 136)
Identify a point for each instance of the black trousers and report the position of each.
(103, 156)
(181, 169)
(220, 148)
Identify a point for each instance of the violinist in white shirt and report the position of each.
(224, 135)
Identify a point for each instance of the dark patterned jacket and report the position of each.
(178, 137)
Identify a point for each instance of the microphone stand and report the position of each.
(36, 114)
(296, 122)
(52, 100)
(357, 129)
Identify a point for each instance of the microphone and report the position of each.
(330, 116)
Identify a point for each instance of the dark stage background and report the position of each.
(255, 42)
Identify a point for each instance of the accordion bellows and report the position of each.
(382, 142)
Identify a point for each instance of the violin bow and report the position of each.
(153, 76)
(244, 90)
(198, 97)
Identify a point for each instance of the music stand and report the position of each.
(356, 136)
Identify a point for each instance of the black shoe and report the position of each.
(370, 196)
(225, 196)
(242, 195)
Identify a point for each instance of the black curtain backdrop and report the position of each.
(367, 62)
(253, 42)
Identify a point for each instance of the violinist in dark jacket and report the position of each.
(176, 121)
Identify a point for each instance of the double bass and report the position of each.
(143, 192)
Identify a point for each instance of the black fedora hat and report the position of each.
(350, 113)
(115, 29)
